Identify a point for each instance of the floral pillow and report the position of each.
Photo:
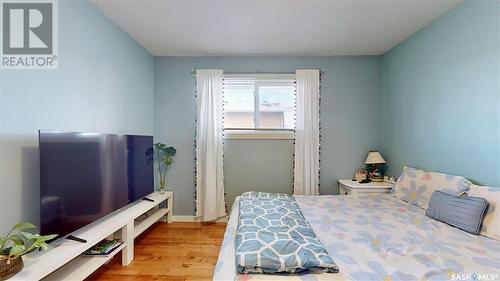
(491, 221)
(416, 186)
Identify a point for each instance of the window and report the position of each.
(259, 106)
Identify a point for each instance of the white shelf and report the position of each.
(153, 216)
(81, 267)
(63, 252)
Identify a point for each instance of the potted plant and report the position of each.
(16, 244)
(164, 156)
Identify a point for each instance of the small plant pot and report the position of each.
(8, 270)
(162, 190)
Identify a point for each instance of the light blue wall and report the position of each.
(441, 96)
(258, 165)
(104, 84)
(350, 89)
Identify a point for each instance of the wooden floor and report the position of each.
(176, 251)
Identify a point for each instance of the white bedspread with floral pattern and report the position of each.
(379, 237)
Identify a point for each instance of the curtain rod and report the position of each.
(257, 72)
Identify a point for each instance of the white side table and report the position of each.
(350, 187)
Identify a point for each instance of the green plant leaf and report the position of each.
(160, 145)
(3, 242)
(28, 235)
(16, 250)
(23, 225)
(47, 237)
(17, 239)
(168, 160)
(44, 246)
(170, 151)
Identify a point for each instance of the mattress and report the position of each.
(379, 237)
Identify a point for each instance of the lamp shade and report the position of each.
(374, 157)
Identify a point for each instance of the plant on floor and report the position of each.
(15, 244)
(164, 156)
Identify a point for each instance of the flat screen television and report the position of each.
(85, 176)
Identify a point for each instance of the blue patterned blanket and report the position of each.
(273, 236)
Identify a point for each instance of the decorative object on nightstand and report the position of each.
(349, 187)
(374, 165)
(391, 179)
(360, 175)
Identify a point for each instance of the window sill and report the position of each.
(258, 135)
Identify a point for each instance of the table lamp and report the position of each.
(374, 158)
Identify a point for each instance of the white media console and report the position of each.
(63, 260)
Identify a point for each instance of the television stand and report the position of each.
(77, 239)
(64, 261)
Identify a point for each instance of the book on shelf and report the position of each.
(103, 248)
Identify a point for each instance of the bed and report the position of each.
(379, 237)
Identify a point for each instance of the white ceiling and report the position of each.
(272, 27)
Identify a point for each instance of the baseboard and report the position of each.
(193, 219)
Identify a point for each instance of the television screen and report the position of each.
(85, 176)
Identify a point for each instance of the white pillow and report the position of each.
(416, 186)
(491, 221)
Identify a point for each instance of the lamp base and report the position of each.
(365, 181)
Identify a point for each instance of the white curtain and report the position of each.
(306, 171)
(209, 147)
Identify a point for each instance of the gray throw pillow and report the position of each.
(463, 212)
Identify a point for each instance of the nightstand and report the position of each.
(349, 187)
